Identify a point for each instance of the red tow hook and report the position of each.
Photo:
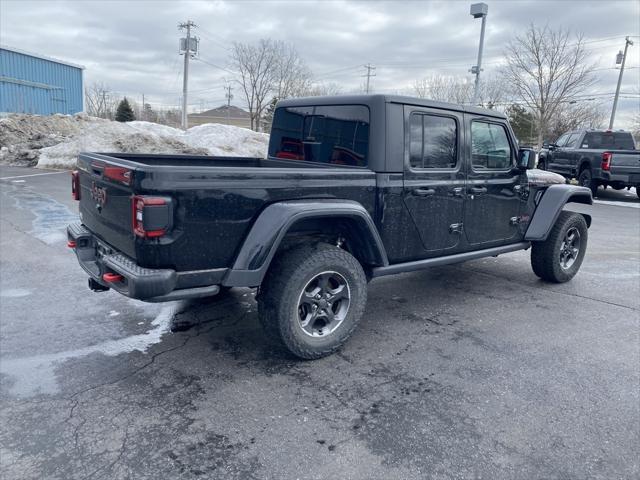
(72, 244)
(112, 277)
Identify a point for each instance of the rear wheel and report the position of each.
(585, 179)
(560, 256)
(312, 299)
(541, 164)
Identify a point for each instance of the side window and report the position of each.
(433, 141)
(335, 134)
(562, 140)
(571, 142)
(490, 148)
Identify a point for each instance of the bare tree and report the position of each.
(257, 69)
(573, 116)
(635, 128)
(293, 77)
(100, 101)
(546, 69)
(323, 89)
(444, 89)
(491, 92)
(269, 70)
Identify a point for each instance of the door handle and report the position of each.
(456, 192)
(424, 192)
(478, 190)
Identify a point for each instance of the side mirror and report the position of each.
(552, 146)
(526, 158)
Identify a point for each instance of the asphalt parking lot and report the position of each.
(477, 370)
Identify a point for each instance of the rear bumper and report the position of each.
(626, 179)
(151, 285)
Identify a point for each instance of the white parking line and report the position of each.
(618, 204)
(34, 175)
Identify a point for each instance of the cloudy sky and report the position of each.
(133, 45)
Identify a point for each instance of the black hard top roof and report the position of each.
(377, 99)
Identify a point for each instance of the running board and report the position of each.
(447, 260)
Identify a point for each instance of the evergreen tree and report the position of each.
(124, 112)
(523, 124)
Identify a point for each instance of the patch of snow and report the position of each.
(618, 204)
(36, 375)
(56, 141)
(15, 292)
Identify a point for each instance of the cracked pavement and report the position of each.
(476, 370)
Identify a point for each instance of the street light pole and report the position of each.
(622, 62)
(479, 10)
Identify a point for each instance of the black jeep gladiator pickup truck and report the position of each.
(596, 158)
(353, 188)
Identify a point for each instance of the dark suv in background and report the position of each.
(596, 158)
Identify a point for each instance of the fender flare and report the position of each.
(585, 161)
(273, 223)
(549, 207)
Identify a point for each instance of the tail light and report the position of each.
(119, 174)
(606, 161)
(75, 185)
(151, 217)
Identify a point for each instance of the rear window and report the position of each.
(336, 134)
(608, 141)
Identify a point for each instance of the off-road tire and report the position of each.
(585, 179)
(545, 256)
(638, 191)
(280, 293)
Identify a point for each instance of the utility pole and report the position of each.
(369, 74)
(620, 60)
(229, 96)
(479, 10)
(187, 45)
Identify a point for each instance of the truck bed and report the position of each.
(213, 200)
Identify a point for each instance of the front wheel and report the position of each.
(559, 257)
(312, 299)
(541, 164)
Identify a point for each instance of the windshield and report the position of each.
(336, 134)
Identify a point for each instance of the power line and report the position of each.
(214, 37)
(216, 66)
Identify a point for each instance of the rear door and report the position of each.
(494, 184)
(434, 177)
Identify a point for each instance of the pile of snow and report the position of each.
(55, 141)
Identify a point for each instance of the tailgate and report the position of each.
(625, 163)
(105, 201)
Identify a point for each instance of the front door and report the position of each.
(434, 178)
(563, 155)
(494, 184)
(552, 155)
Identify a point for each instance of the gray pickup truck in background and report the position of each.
(596, 158)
